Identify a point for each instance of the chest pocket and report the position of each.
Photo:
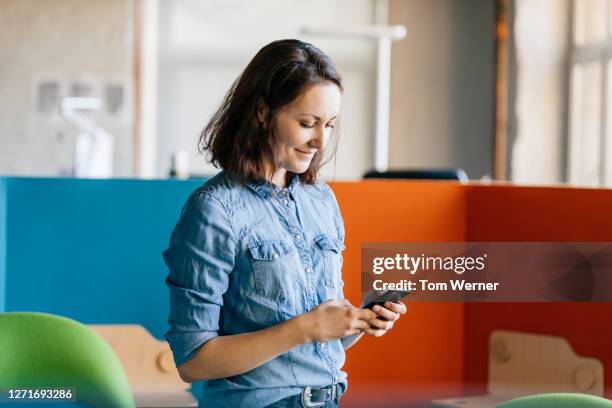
(274, 270)
(331, 250)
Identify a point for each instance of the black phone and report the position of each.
(380, 297)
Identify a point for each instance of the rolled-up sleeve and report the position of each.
(200, 258)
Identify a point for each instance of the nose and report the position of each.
(318, 141)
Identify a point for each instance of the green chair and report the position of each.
(43, 351)
(557, 400)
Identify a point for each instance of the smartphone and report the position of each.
(380, 297)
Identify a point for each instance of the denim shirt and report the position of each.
(244, 257)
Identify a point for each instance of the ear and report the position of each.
(262, 111)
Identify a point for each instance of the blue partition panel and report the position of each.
(3, 183)
(88, 249)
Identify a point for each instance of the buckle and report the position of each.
(306, 402)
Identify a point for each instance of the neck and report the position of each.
(279, 178)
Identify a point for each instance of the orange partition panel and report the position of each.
(426, 345)
(531, 214)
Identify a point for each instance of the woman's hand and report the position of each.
(335, 319)
(389, 314)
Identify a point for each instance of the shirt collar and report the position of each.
(267, 189)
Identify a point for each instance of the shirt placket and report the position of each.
(290, 211)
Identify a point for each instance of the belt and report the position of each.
(316, 396)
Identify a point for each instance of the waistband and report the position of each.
(317, 396)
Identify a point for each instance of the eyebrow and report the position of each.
(315, 116)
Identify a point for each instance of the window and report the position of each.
(590, 142)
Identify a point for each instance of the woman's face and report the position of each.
(304, 126)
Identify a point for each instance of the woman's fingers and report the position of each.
(397, 307)
(381, 324)
(355, 331)
(385, 313)
(385, 317)
(361, 324)
(375, 332)
(366, 314)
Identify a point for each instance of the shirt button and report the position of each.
(308, 270)
(336, 378)
(323, 345)
(274, 255)
(286, 201)
(298, 236)
(260, 292)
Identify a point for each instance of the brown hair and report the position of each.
(236, 140)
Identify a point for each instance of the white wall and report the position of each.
(443, 86)
(66, 41)
(442, 76)
(205, 44)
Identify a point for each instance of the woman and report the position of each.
(256, 301)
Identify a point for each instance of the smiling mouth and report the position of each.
(306, 154)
